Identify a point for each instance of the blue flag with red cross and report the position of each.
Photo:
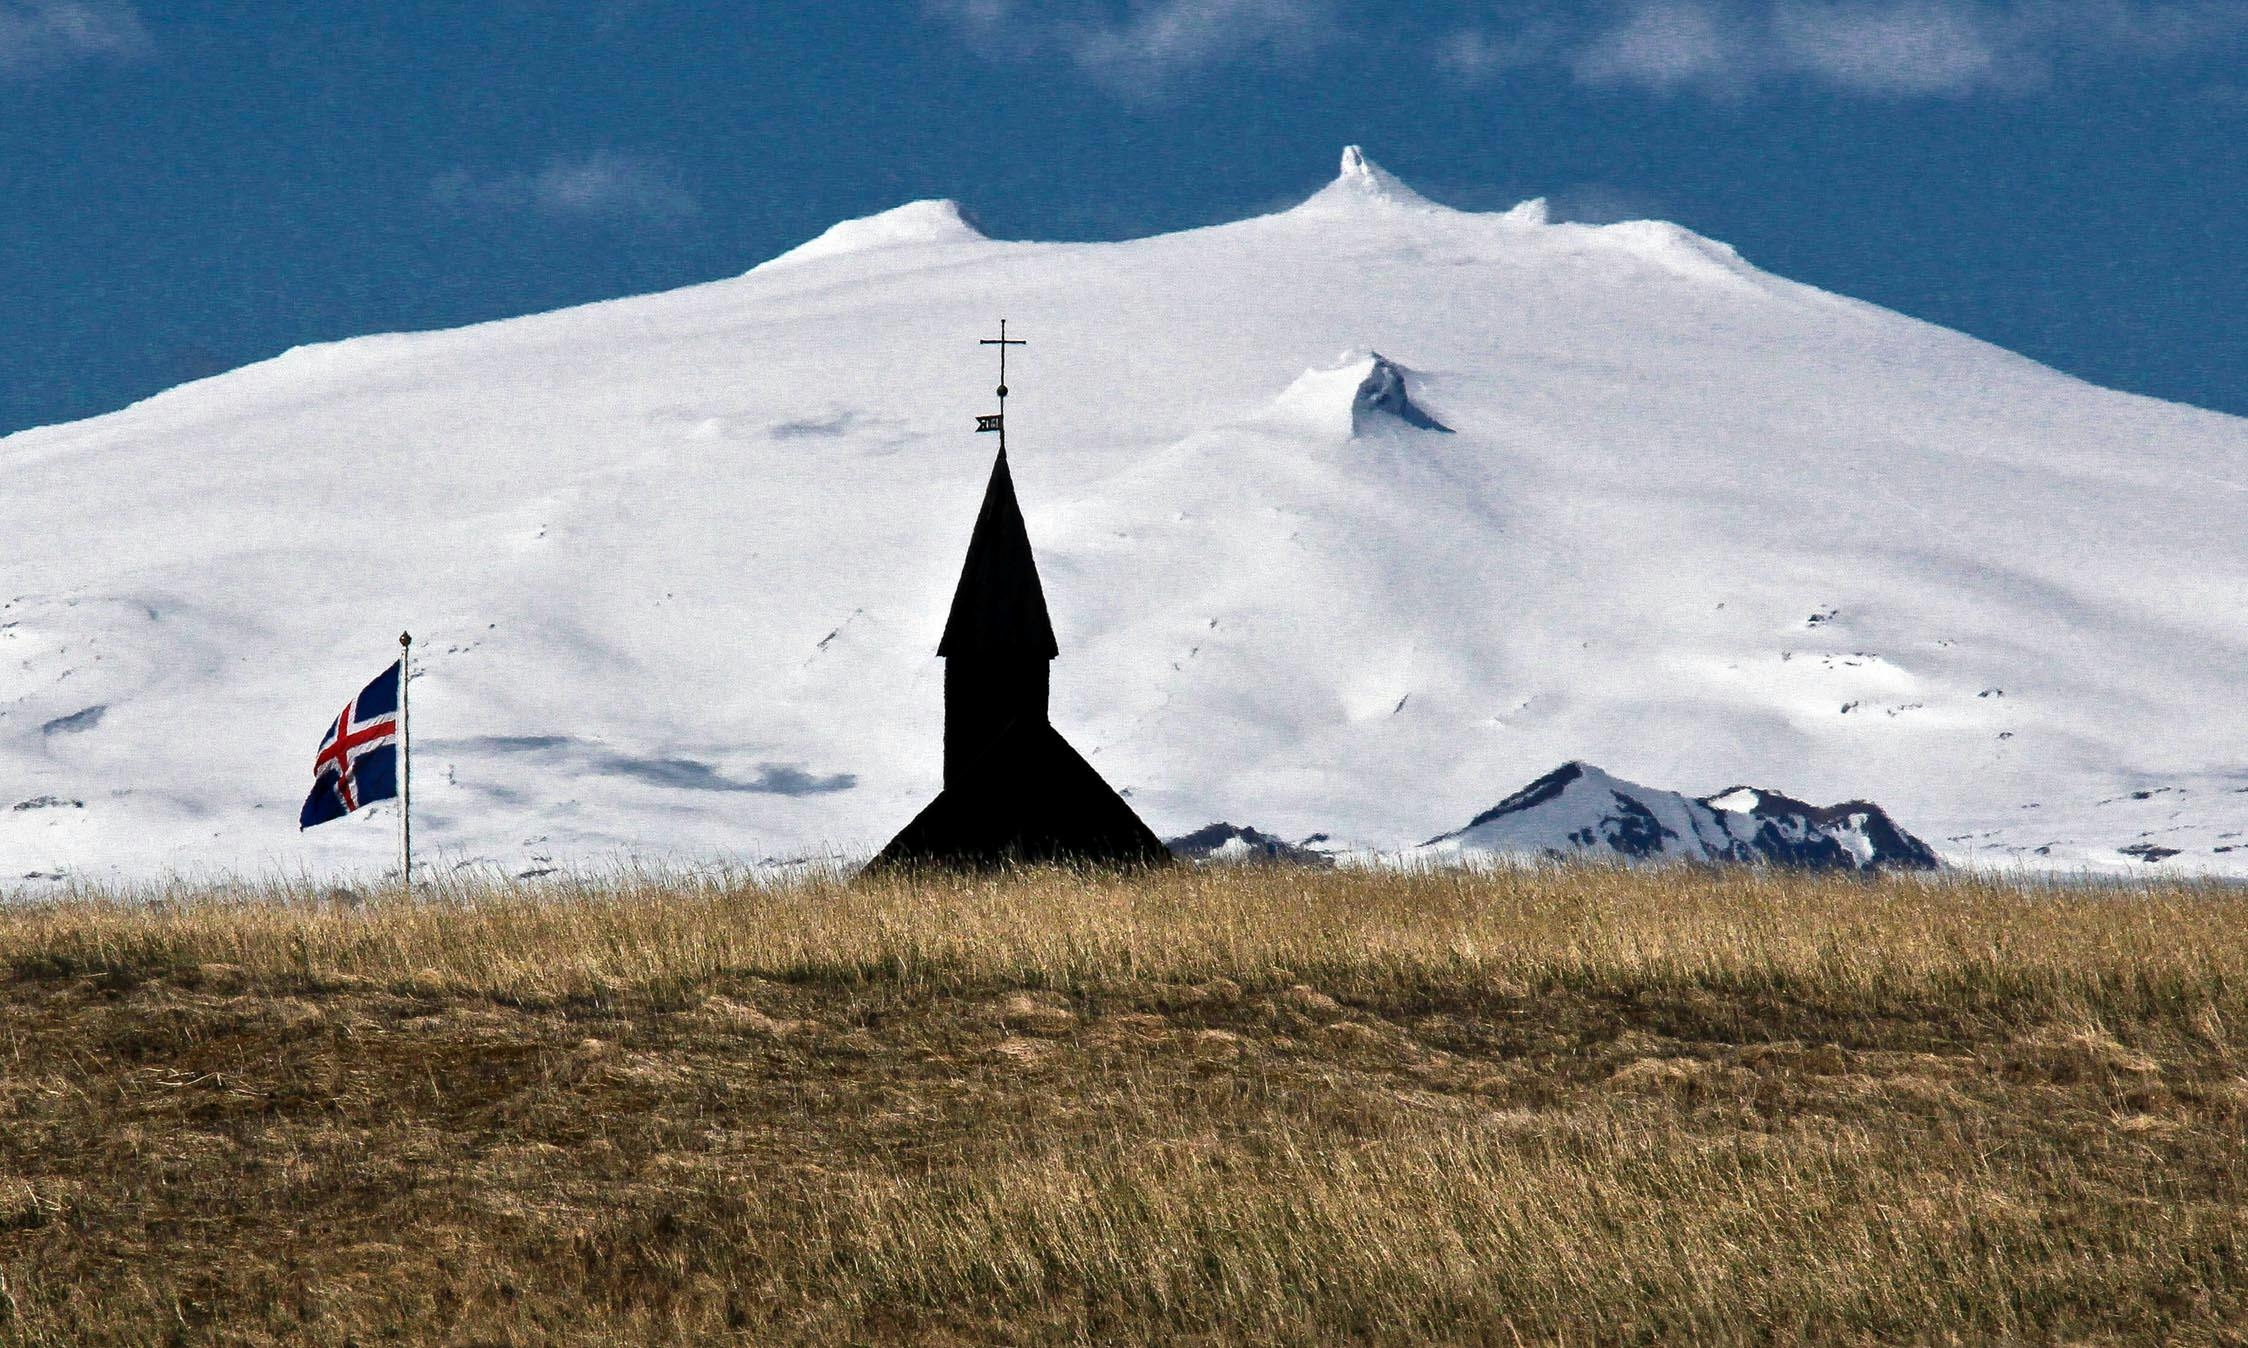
(358, 760)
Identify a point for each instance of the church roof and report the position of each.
(1034, 801)
(999, 608)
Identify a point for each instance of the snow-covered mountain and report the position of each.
(677, 564)
(1237, 844)
(1579, 810)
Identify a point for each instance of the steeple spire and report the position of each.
(999, 608)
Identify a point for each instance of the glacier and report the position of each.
(676, 564)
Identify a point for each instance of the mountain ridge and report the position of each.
(1694, 521)
(1580, 810)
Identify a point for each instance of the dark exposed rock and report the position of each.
(1229, 843)
(77, 723)
(1383, 392)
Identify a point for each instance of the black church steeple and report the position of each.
(998, 640)
(1014, 790)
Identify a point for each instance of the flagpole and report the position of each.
(405, 766)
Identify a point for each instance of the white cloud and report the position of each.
(1478, 52)
(37, 36)
(1881, 48)
(1166, 35)
(1144, 41)
(981, 14)
(603, 185)
(1721, 48)
(1907, 48)
(1664, 44)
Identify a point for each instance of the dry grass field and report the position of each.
(1272, 1107)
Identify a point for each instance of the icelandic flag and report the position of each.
(358, 762)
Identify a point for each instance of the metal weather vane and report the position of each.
(999, 422)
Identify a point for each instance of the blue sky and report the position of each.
(190, 185)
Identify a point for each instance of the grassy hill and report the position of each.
(1263, 1106)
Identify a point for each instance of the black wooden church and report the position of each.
(1015, 792)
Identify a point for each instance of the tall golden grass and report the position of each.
(1560, 1104)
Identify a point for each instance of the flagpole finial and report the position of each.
(405, 638)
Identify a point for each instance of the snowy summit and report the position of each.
(1363, 184)
(1579, 810)
(1353, 518)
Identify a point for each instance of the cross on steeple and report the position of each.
(999, 423)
